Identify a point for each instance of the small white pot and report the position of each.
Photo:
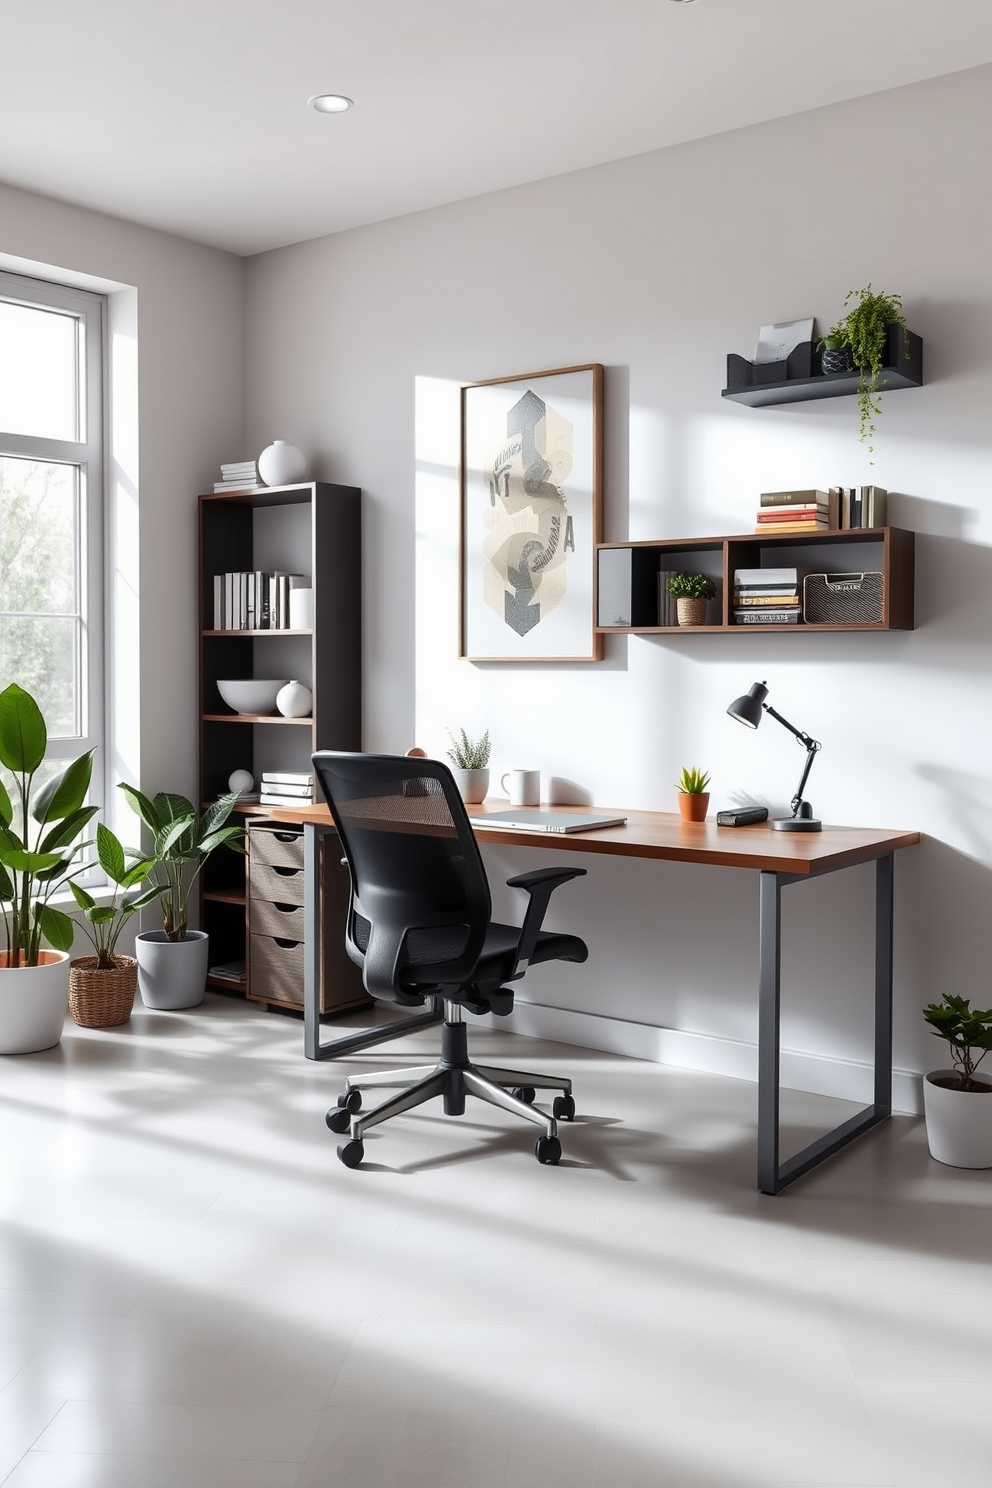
(282, 464)
(294, 700)
(172, 974)
(33, 1003)
(959, 1122)
(472, 785)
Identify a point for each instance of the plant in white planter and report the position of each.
(172, 963)
(958, 1101)
(35, 863)
(470, 765)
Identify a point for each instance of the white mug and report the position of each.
(524, 788)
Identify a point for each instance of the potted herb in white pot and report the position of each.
(470, 766)
(958, 1101)
(172, 962)
(35, 863)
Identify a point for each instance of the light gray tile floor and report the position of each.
(194, 1293)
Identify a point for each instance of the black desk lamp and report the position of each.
(748, 710)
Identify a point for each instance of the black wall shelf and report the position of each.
(762, 384)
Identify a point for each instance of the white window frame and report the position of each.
(90, 311)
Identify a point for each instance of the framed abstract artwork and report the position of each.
(531, 515)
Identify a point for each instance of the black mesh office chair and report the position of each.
(420, 927)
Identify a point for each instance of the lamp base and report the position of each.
(797, 824)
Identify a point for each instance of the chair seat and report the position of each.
(499, 951)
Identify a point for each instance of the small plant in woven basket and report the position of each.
(691, 586)
(469, 754)
(692, 781)
(103, 923)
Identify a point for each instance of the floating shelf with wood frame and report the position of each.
(762, 384)
(888, 550)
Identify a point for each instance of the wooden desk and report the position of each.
(780, 858)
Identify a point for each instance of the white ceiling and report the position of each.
(192, 116)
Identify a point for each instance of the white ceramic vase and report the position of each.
(294, 700)
(33, 1003)
(172, 974)
(473, 785)
(281, 464)
(959, 1122)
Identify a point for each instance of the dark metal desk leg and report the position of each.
(312, 834)
(769, 1021)
(884, 875)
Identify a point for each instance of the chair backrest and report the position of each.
(420, 904)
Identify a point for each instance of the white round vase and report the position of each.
(281, 464)
(294, 700)
(33, 1003)
(172, 974)
(959, 1122)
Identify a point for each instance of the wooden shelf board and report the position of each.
(255, 718)
(226, 984)
(255, 633)
(225, 896)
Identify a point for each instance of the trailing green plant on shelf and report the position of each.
(183, 841)
(34, 865)
(469, 754)
(691, 586)
(965, 1029)
(865, 329)
(692, 781)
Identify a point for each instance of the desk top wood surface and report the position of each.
(663, 834)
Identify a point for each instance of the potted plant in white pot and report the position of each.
(102, 987)
(958, 1102)
(470, 765)
(35, 863)
(172, 962)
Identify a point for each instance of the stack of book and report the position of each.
(766, 596)
(254, 601)
(240, 475)
(862, 506)
(798, 511)
(286, 788)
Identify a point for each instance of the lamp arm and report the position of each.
(812, 747)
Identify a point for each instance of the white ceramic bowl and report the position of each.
(251, 696)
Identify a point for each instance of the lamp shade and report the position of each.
(747, 709)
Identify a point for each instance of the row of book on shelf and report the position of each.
(286, 788)
(767, 596)
(238, 475)
(254, 600)
(841, 508)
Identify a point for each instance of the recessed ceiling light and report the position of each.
(330, 103)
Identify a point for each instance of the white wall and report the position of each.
(185, 392)
(658, 266)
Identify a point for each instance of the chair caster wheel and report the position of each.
(525, 1093)
(564, 1108)
(546, 1150)
(338, 1119)
(351, 1100)
(351, 1153)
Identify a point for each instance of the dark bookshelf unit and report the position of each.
(314, 528)
(627, 576)
(799, 379)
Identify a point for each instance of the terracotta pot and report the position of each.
(693, 807)
(102, 998)
(959, 1122)
(691, 611)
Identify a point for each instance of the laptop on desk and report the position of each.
(525, 820)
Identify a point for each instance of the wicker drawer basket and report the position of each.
(276, 847)
(277, 885)
(276, 969)
(281, 920)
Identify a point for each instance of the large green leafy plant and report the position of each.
(126, 870)
(865, 329)
(39, 831)
(183, 842)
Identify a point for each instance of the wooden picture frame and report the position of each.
(531, 478)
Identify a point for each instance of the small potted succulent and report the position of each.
(859, 339)
(694, 798)
(691, 591)
(470, 765)
(102, 986)
(958, 1101)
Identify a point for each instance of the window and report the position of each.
(51, 506)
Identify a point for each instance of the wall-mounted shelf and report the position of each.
(627, 576)
(761, 384)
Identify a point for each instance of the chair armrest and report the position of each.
(540, 885)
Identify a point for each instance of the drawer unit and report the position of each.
(277, 938)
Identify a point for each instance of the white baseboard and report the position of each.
(846, 1078)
